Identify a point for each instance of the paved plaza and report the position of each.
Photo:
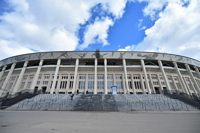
(98, 122)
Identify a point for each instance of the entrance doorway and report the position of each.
(165, 90)
(157, 90)
(114, 90)
(44, 88)
(35, 90)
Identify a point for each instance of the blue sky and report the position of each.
(126, 30)
(28, 26)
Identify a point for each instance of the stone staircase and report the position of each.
(96, 103)
(50, 102)
(153, 102)
(109, 103)
(89, 102)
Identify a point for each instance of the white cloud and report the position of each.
(11, 48)
(97, 32)
(176, 31)
(117, 7)
(127, 48)
(52, 24)
(153, 6)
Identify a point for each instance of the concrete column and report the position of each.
(160, 84)
(187, 86)
(49, 84)
(194, 90)
(55, 76)
(193, 79)
(145, 76)
(8, 77)
(95, 75)
(142, 83)
(86, 83)
(151, 84)
(176, 88)
(75, 75)
(16, 87)
(36, 75)
(181, 78)
(68, 81)
(105, 77)
(123, 83)
(1, 75)
(133, 84)
(2, 72)
(197, 70)
(58, 84)
(165, 77)
(126, 87)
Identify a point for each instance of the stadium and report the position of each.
(102, 76)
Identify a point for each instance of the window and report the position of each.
(90, 85)
(130, 85)
(71, 84)
(38, 82)
(46, 76)
(45, 82)
(81, 85)
(100, 81)
(82, 77)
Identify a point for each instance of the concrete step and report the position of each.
(89, 102)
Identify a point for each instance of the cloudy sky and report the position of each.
(171, 26)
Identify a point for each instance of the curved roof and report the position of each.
(103, 54)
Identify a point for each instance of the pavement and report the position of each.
(99, 122)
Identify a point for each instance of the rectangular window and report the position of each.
(90, 85)
(71, 84)
(130, 85)
(81, 85)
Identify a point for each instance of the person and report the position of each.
(72, 97)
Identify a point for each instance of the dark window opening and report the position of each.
(167, 63)
(86, 62)
(132, 62)
(192, 67)
(19, 65)
(33, 63)
(151, 62)
(68, 62)
(8, 66)
(181, 65)
(114, 62)
(50, 62)
(100, 62)
(1, 68)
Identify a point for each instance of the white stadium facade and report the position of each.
(100, 72)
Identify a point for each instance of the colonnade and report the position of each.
(126, 86)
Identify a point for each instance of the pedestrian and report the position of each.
(72, 97)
